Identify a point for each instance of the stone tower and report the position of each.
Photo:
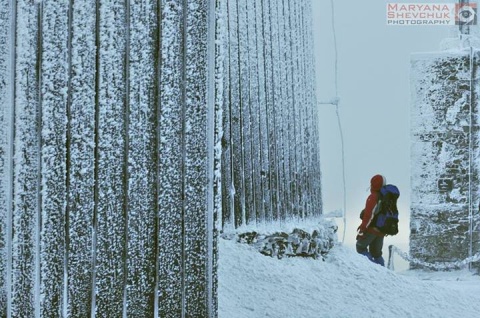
(445, 157)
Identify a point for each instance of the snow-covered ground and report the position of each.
(345, 285)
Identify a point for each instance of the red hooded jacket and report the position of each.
(376, 184)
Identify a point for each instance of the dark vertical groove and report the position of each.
(211, 154)
(287, 166)
(158, 67)
(307, 122)
(231, 186)
(97, 158)
(260, 212)
(303, 195)
(126, 114)
(267, 129)
(183, 145)
(279, 97)
(268, 217)
(277, 166)
(240, 122)
(261, 130)
(293, 130)
(68, 153)
(39, 172)
(250, 126)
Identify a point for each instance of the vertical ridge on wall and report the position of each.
(96, 168)
(287, 120)
(257, 211)
(309, 122)
(290, 146)
(308, 115)
(316, 195)
(141, 164)
(280, 105)
(236, 115)
(196, 156)
(264, 200)
(38, 225)
(270, 113)
(263, 169)
(277, 105)
(6, 126)
(111, 146)
(227, 215)
(158, 65)
(81, 164)
(68, 158)
(183, 75)
(279, 102)
(126, 157)
(53, 99)
(312, 102)
(285, 111)
(170, 192)
(297, 118)
(216, 65)
(306, 191)
(10, 153)
(245, 117)
(26, 162)
(68, 137)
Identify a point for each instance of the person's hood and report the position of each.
(377, 182)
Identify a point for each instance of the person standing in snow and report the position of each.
(369, 238)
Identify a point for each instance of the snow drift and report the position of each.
(345, 285)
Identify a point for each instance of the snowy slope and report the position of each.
(345, 285)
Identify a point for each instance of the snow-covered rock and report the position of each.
(299, 242)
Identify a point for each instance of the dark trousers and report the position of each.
(370, 243)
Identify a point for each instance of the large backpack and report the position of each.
(386, 216)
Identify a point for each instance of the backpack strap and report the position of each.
(378, 206)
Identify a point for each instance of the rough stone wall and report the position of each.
(444, 156)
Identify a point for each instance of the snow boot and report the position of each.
(379, 261)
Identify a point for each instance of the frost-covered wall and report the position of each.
(107, 158)
(270, 157)
(122, 123)
(445, 153)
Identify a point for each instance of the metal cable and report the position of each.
(437, 266)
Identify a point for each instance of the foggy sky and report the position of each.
(374, 91)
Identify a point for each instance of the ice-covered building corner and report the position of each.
(445, 150)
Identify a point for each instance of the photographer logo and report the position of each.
(465, 13)
(408, 14)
